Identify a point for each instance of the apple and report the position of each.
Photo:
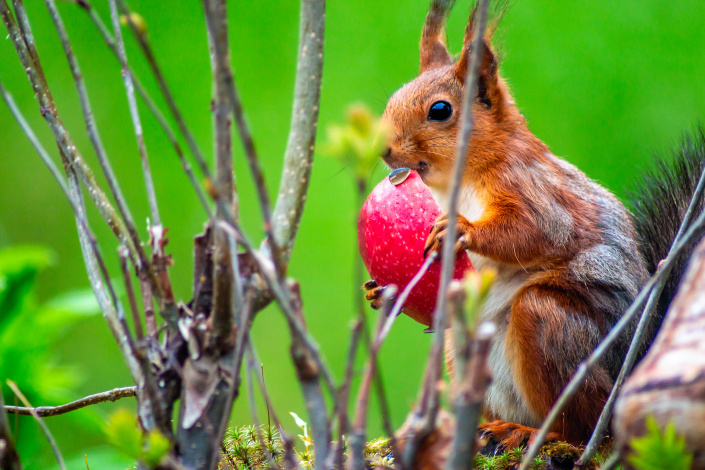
(391, 232)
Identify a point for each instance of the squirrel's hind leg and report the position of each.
(550, 332)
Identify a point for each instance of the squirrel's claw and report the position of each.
(435, 240)
(374, 294)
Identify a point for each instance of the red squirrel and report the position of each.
(568, 256)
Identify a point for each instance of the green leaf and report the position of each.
(658, 450)
(123, 433)
(78, 302)
(18, 258)
(156, 446)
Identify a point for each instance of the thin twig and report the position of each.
(222, 316)
(341, 405)
(401, 300)
(271, 412)
(127, 279)
(298, 159)
(143, 42)
(256, 170)
(359, 428)
(135, 115)
(386, 319)
(282, 297)
(467, 403)
(41, 423)
(253, 409)
(658, 279)
(425, 416)
(611, 463)
(46, 411)
(309, 373)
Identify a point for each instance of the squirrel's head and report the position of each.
(424, 115)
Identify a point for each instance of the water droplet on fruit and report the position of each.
(399, 175)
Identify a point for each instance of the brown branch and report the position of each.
(222, 316)
(359, 427)
(46, 411)
(281, 295)
(428, 407)
(469, 397)
(143, 42)
(127, 279)
(309, 373)
(135, 115)
(668, 385)
(253, 408)
(298, 158)
(343, 394)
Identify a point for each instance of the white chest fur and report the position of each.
(502, 400)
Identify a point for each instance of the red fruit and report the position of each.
(391, 232)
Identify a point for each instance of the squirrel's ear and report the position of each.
(488, 85)
(488, 79)
(433, 45)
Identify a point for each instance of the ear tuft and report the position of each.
(433, 44)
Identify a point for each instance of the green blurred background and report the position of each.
(605, 84)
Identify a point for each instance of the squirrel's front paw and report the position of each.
(439, 231)
(374, 293)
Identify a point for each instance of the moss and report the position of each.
(243, 449)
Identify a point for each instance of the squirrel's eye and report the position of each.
(440, 111)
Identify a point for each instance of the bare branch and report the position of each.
(636, 343)
(304, 121)
(468, 400)
(253, 408)
(127, 279)
(357, 438)
(343, 394)
(135, 115)
(430, 402)
(266, 269)
(92, 257)
(222, 315)
(46, 411)
(143, 42)
(308, 373)
(42, 425)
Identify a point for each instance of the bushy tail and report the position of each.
(659, 203)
